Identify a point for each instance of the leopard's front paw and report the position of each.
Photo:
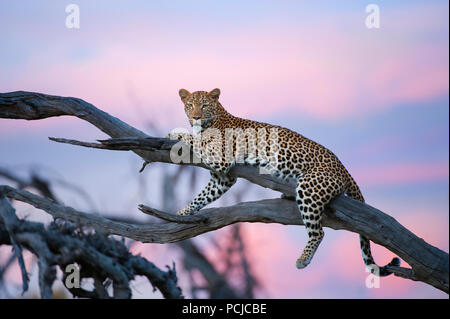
(183, 212)
(172, 136)
(177, 135)
(186, 211)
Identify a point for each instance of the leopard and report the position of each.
(318, 173)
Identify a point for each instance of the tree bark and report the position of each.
(99, 257)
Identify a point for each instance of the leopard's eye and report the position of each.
(189, 105)
(204, 106)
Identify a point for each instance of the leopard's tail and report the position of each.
(354, 192)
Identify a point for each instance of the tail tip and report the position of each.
(395, 262)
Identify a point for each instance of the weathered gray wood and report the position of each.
(429, 264)
(100, 256)
(10, 221)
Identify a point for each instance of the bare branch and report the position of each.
(190, 219)
(47, 271)
(429, 264)
(344, 213)
(99, 256)
(10, 221)
(217, 284)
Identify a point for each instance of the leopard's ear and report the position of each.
(183, 93)
(214, 94)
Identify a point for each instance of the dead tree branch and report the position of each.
(97, 256)
(345, 213)
(429, 264)
(10, 222)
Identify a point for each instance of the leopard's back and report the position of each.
(294, 155)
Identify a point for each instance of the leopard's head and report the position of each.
(201, 107)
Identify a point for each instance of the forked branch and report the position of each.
(62, 244)
(428, 263)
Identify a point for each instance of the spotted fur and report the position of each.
(319, 173)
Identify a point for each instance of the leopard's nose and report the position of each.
(196, 117)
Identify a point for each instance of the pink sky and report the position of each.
(259, 70)
(401, 173)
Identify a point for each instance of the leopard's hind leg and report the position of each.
(314, 191)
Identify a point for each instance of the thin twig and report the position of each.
(187, 219)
